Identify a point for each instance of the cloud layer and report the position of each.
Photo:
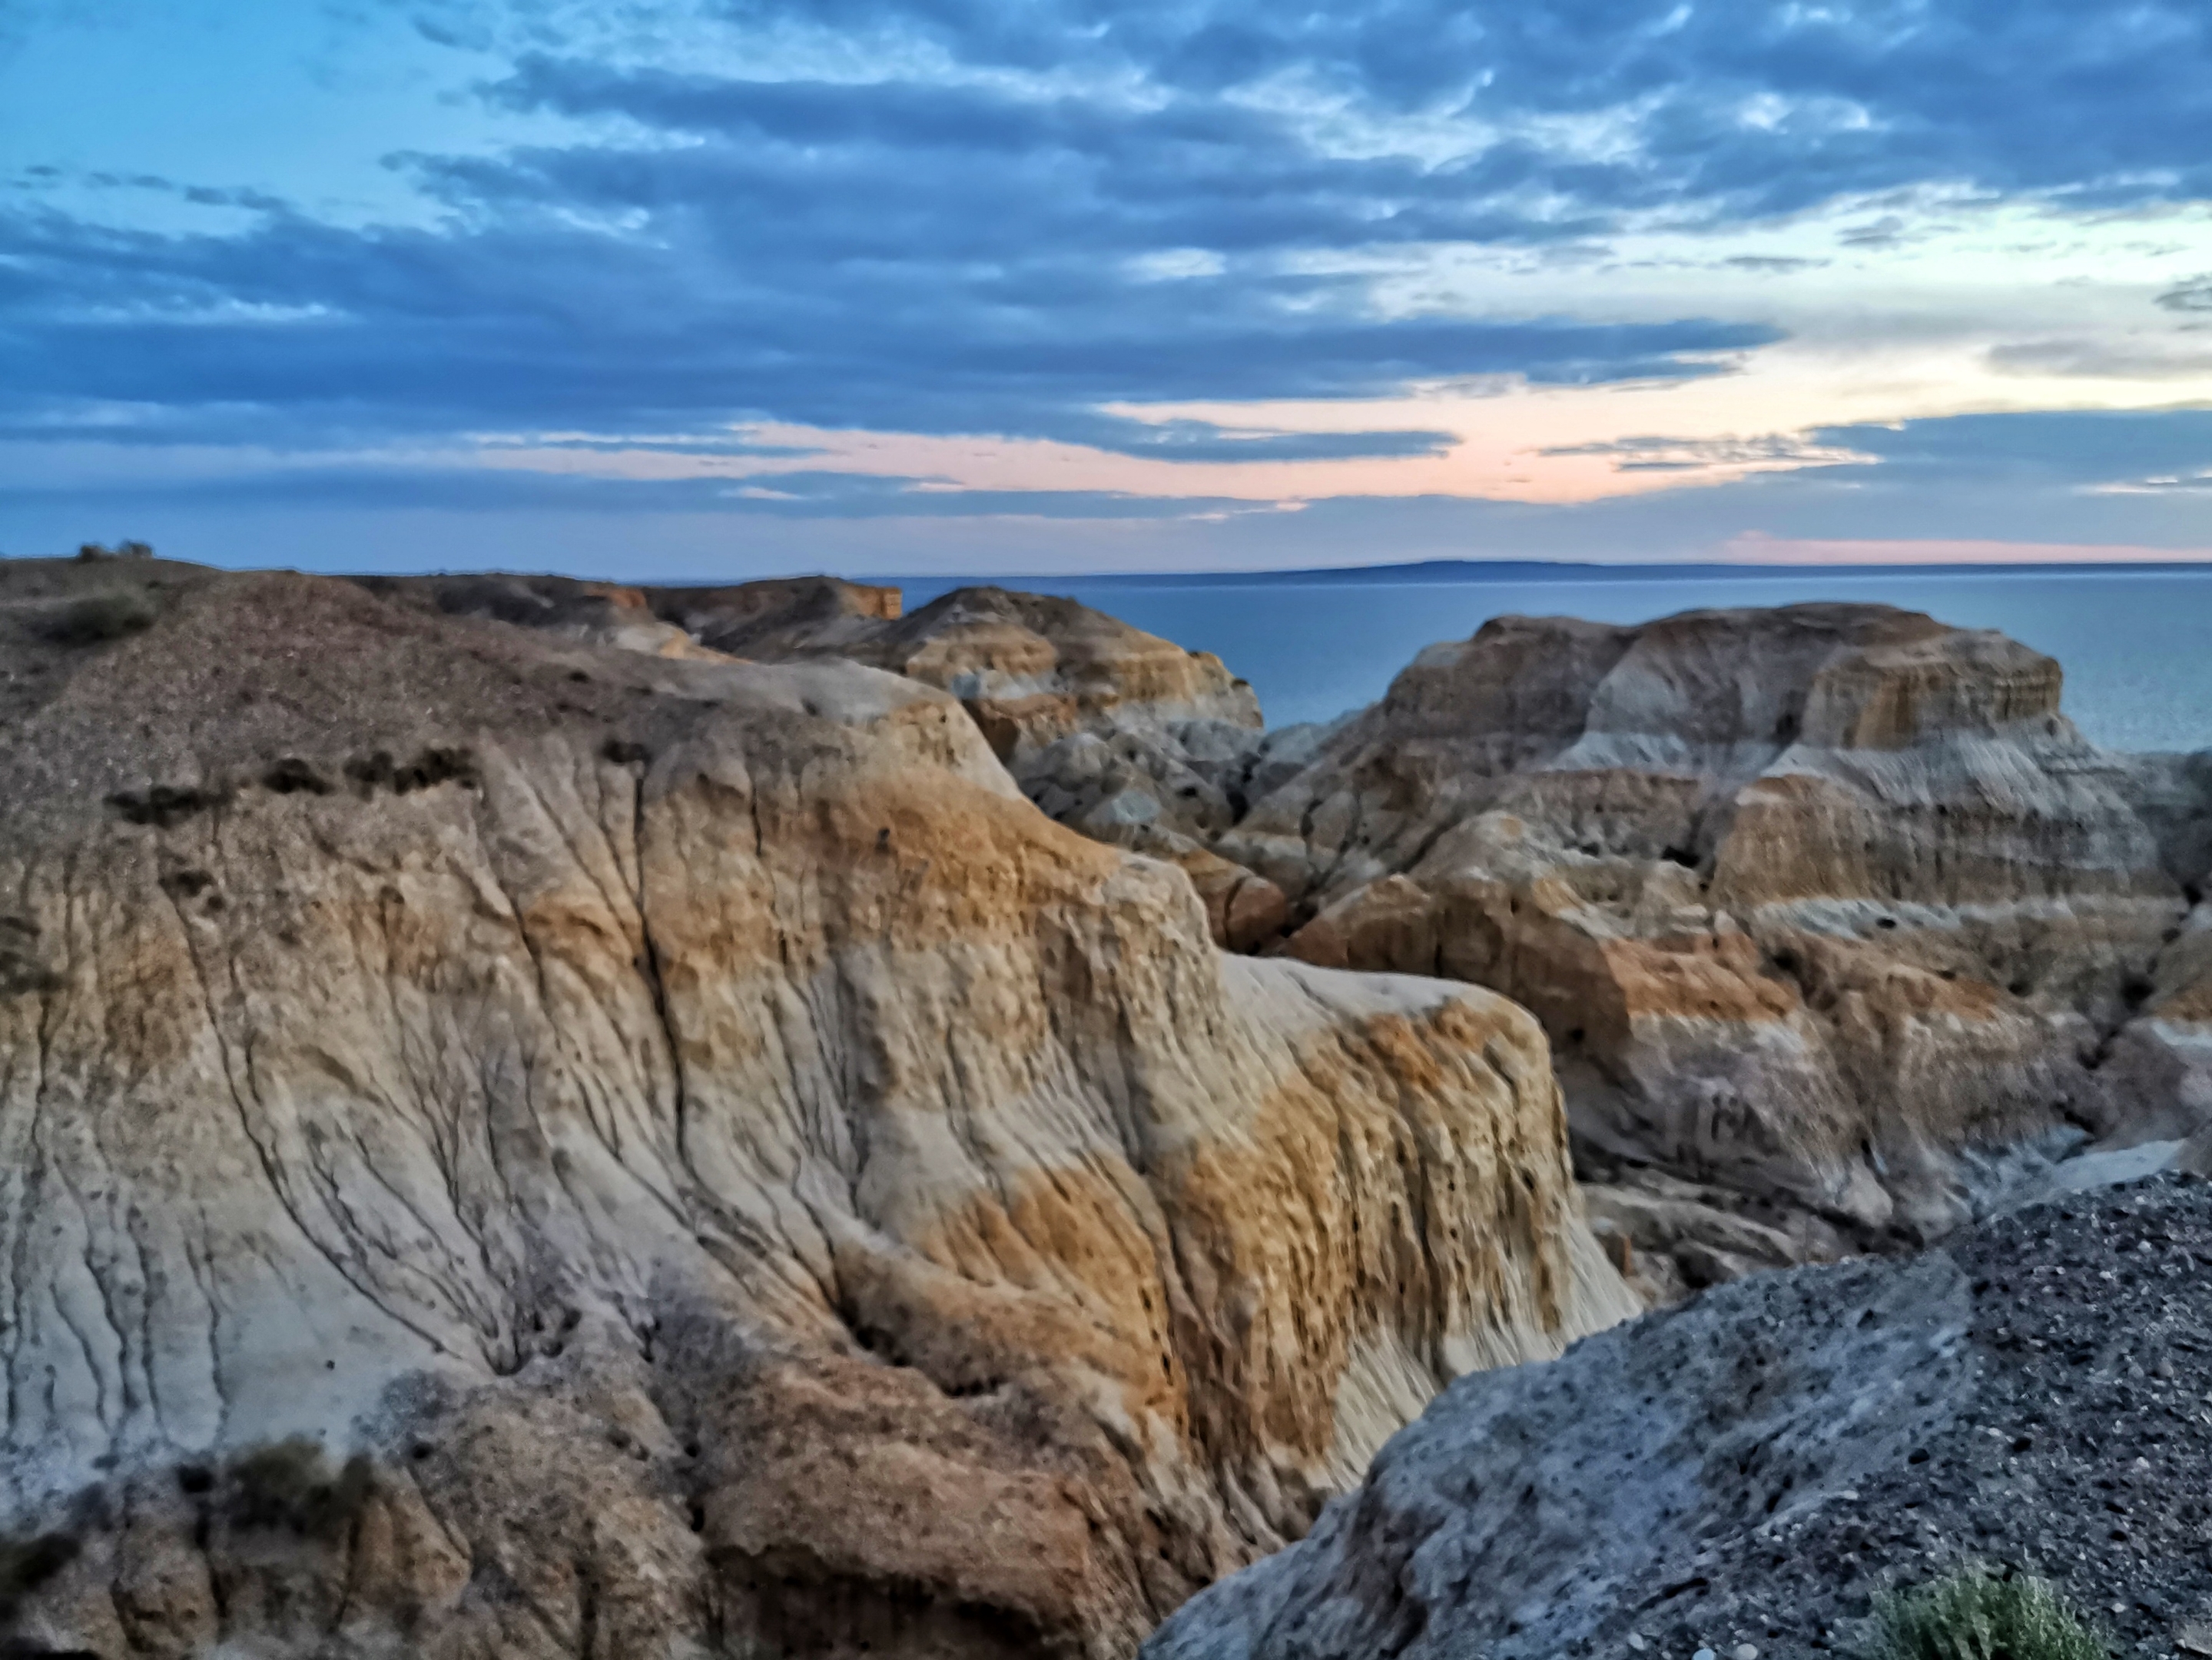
(1072, 221)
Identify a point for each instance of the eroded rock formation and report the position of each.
(510, 1147)
(1836, 925)
(1827, 910)
(1128, 737)
(775, 619)
(1119, 733)
(1550, 1511)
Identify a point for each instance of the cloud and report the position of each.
(1772, 447)
(1009, 217)
(1757, 549)
(862, 310)
(1769, 107)
(2056, 449)
(2196, 294)
(797, 494)
(2124, 359)
(2198, 484)
(1989, 480)
(1205, 441)
(1717, 458)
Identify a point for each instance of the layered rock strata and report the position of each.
(1126, 736)
(1116, 732)
(1828, 911)
(514, 1147)
(1838, 928)
(774, 620)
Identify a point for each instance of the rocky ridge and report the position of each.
(518, 1142)
(1751, 1467)
(1119, 733)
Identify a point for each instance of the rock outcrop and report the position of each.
(774, 620)
(1116, 732)
(1755, 1467)
(1126, 736)
(1828, 911)
(512, 1146)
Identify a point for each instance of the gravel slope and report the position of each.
(1751, 1467)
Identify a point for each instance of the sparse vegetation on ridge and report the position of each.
(26, 1564)
(290, 1484)
(105, 614)
(1979, 1614)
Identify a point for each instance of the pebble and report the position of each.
(1705, 1654)
(1746, 1651)
(1635, 1641)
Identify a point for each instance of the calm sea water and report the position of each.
(2135, 645)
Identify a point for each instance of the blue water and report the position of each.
(2135, 645)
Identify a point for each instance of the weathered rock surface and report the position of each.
(1823, 907)
(510, 1147)
(1125, 736)
(1753, 1467)
(1116, 732)
(774, 620)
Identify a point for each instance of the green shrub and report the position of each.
(27, 1564)
(1977, 1615)
(289, 1484)
(104, 614)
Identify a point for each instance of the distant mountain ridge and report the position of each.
(1423, 571)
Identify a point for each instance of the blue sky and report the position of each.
(699, 287)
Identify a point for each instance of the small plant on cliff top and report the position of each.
(27, 1564)
(289, 1484)
(106, 614)
(1976, 1614)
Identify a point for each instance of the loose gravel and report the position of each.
(1750, 1471)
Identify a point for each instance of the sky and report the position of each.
(695, 288)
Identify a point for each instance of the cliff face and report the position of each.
(1822, 908)
(514, 1146)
